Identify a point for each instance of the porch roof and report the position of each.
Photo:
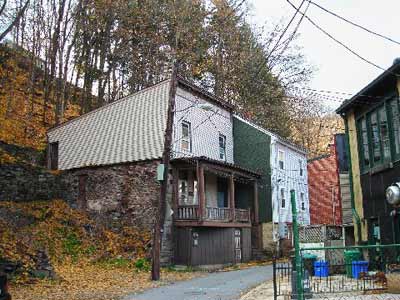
(229, 167)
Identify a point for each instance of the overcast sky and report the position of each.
(337, 69)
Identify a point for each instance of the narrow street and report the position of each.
(216, 286)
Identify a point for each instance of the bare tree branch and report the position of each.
(15, 21)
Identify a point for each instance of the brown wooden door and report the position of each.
(238, 246)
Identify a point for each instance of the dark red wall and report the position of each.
(324, 192)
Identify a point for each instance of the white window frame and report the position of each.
(186, 140)
(222, 150)
(302, 202)
(301, 168)
(282, 198)
(283, 159)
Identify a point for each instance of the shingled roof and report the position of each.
(129, 129)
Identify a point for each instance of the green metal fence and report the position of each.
(336, 271)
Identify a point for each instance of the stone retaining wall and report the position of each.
(24, 182)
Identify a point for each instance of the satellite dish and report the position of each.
(393, 194)
(396, 61)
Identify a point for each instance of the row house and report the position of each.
(110, 158)
(283, 167)
(372, 122)
(329, 189)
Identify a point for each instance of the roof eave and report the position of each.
(347, 104)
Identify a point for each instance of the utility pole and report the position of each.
(299, 281)
(159, 222)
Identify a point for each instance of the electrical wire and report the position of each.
(353, 23)
(337, 41)
(284, 31)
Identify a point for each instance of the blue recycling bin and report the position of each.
(321, 268)
(357, 267)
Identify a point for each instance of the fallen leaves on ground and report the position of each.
(247, 265)
(94, 282)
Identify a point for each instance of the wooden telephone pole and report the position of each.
(155, 268)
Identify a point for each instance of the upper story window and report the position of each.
(379, 135)
(302, 201)
(281, 159)
(186, 143)
(301, 167)
(53, 156)
(222, 146)
(364, 146)
(283, 200)
(395, 117)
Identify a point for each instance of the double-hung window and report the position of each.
(384, 133)
(301, 167)
(283, 200)
(281, 159)
(395, 117)
(186, 143)
(364, 146)
(222, 146)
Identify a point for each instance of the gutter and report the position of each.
(353, 209)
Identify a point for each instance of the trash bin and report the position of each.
(321, 268)
(349, 257)
(359, 266)
(308, 263)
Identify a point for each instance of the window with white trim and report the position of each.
(303, 203)
(186, 143)
(281, 159)
(283, 200)
(301, 167)
(222, 146)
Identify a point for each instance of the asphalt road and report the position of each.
(216, 286)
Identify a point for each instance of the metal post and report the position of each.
(299, 283)
(274, 278)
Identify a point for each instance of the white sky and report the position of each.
(338, 69)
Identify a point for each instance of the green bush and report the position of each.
(142, 264)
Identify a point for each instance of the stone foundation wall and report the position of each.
(122, 195)
(118, 195)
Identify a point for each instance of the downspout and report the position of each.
(353, 209)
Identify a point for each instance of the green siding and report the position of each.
(252, 150)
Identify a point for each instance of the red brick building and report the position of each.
(324, 189)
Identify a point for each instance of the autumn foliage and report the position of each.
(24, 115)
(65, 234)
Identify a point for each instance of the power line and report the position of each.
(284, 31)
(337, 41)
(354, 24)
(290, 39)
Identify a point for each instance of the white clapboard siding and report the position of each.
(206, 125)
(289, 178)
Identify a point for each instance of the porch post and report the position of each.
(202, 198)
(232, 196)
(257, 226)
(175, 192)
(256, 216)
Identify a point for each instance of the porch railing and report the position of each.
(242, 215)
(220, 214)
(188, 212)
